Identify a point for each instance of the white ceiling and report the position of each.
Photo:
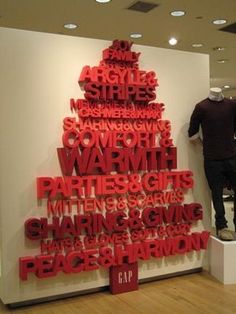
(113, 20)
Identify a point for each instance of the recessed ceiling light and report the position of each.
(177, 13)
(197, 45)
(219, 48)
(222, 61)
(70, 25)
(226, 86)
(136, 35)
(173, 41)
(219, 22)
(103, 1)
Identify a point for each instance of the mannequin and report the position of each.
(216, 116)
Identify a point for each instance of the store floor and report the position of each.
(189, 294)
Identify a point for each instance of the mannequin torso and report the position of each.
(217, 117)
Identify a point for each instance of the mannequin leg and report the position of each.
(218, 204)
(214, 170)
(231, 175)
(234, 213)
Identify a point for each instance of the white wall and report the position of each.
(38, 76)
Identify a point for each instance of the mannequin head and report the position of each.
(216, 94)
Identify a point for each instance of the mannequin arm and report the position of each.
(194, 125)
(194, 137)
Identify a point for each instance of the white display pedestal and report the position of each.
(223, 260)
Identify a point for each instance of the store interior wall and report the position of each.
(39, 74)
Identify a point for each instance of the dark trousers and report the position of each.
(218, 173)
